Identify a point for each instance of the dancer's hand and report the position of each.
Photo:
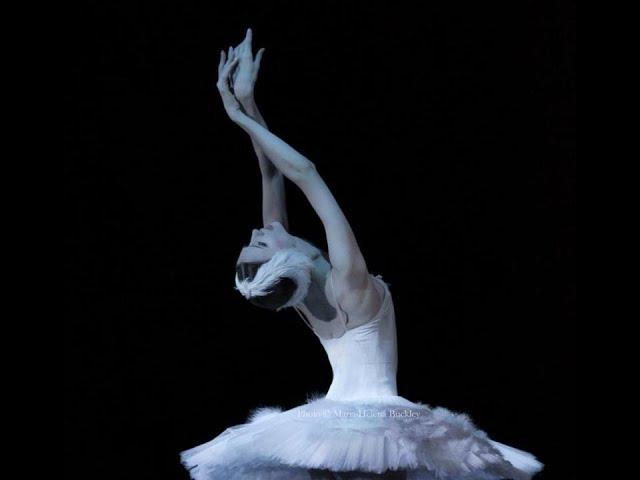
(244, 77)
(229, 101)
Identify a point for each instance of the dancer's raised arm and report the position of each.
(243, 80)
(348, 265)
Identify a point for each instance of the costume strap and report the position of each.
(304, 318)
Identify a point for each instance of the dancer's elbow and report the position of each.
(303, 173)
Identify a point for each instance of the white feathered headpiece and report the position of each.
(289, 263)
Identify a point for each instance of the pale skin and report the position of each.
(354, 288)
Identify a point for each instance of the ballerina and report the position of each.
(362, 428)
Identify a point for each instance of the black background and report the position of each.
(447, 133)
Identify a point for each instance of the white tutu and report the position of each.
(386, 434)
(360, 429)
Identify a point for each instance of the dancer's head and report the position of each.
(274, 270)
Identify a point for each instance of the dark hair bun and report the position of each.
(280, 293)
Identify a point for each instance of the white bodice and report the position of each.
(365, 359)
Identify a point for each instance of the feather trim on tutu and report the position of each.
(263, 413)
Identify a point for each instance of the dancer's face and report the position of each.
(265, 242)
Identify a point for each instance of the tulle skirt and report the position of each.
(386, 437)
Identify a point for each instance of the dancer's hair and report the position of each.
(282, 281)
